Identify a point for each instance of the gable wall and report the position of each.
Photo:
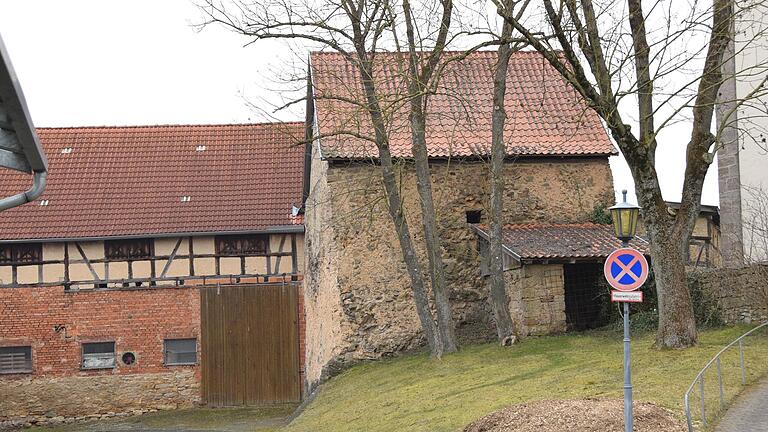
(368, 288)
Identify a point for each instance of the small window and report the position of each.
(180, 352)
(21, 253)
(474, 216)
(100, 355)
(15, 360)
(130, 249)
(241, 245)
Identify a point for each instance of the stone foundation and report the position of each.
(35, 401)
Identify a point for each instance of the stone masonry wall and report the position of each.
(359, 303)
(741, 294)
(537, 299)
(55, 323)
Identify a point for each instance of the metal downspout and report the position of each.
(38, 186)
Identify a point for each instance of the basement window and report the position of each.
(474, 216)
(98, 355)
(15, 360)
(180, 352)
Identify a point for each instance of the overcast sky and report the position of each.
(96, 62)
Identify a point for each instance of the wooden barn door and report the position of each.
(249, 344)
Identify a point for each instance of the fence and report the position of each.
(735, 359)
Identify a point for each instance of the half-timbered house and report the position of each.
(160, 268)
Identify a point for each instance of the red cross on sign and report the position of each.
(626, 269)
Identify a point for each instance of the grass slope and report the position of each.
(418, 394)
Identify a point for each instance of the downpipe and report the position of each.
(38, 186)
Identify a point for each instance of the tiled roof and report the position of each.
(545, 115)
(562, 241)
(129, 181)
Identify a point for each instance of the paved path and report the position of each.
(749, 413)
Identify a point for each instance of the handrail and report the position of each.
(700, 378)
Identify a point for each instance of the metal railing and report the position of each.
(716, 360)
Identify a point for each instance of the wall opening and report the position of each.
(585, 297)
(474, 216)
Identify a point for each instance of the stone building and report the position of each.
(357, 297)
(741, 114)
(111, 282)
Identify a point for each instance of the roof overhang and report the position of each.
(20, 147)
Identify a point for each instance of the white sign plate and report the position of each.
(627, 296)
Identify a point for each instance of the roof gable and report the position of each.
(545, 114)
(149, 180)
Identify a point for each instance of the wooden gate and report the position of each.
(249, 344)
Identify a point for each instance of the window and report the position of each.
(99, 355)
(15, 359)
(180, 352)
(474, 216)
(241, 245)
(21, 253)
(130, 249)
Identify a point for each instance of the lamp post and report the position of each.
(624, 217)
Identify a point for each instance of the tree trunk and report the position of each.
(499, 300)
(669, 254)
(445, 324)
(394, 204)
(677, 323)
(418, 79)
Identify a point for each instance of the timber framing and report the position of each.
(75, 254)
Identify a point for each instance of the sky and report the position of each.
(142, 62)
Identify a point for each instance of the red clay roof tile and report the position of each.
(128, 181)
(562, 241)
(545, 115)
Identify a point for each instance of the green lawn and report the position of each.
(418, 394)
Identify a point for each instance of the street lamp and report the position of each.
(624, 217)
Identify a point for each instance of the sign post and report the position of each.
(626, 269)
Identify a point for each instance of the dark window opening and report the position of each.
(128, 249)
(98, 355)
(21, 253)
(586, 299)
(15, 359)
(180, 352)
(241, 245)
(474, 216)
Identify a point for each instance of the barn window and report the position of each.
(180, 352)
(21, 253)
(241, 245)
(99, 355)
(16, 359)
(128, 249)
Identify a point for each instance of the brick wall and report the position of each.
(55, 323)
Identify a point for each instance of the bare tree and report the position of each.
(420, 72)
(610, 50)
(356, 30)
(505, 328)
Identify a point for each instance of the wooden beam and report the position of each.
(87, 262)
(170, 258)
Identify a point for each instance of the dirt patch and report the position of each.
(598, 415)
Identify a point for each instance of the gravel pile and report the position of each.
(598, 415)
